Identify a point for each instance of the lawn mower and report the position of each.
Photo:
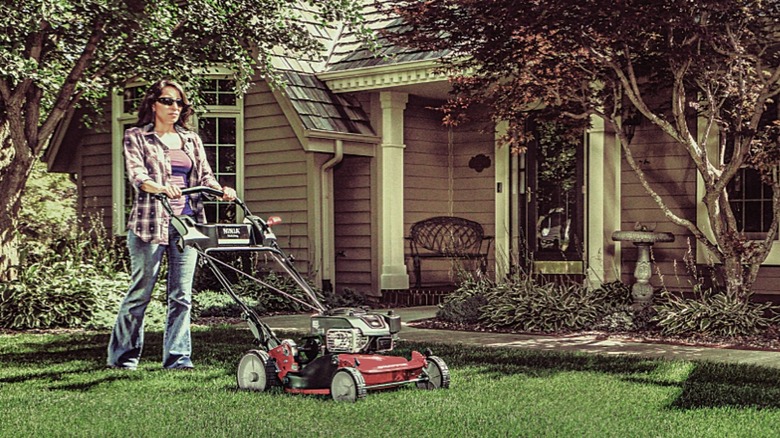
(344, 354)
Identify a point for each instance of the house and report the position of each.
(353, 152)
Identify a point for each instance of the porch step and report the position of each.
(415, 297)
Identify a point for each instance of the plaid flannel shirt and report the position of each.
(147, 158)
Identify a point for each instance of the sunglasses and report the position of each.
(168, 101)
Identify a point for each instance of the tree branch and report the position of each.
(64, 100)
(687, 224)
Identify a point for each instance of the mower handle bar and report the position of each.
(280, 257)
(202, 189)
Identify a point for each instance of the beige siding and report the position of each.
(767, 282)
(473, 194)
(669, 171)
(426, 181)
(95, 176)
(353, 225)
(429, 187)
(276, 173)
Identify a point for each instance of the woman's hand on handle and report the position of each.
(228, 193)
(171, 191)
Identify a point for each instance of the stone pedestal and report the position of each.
(642, 290)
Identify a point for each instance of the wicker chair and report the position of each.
(447, 237)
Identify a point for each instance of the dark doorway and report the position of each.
(550, 208)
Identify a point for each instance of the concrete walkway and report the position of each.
(586, 344)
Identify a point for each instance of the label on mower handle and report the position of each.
(233, 234)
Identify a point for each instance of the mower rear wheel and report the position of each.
(347, 385)
(255, 371)
(438, 374)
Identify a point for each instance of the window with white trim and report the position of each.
(749, 196)
(218, 129)
(751, 201)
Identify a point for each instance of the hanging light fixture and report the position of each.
(630, 123)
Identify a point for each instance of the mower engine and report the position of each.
(350, 330)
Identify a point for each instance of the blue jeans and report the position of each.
(127, 338)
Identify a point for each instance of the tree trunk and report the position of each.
(15, 169)
(734, 277)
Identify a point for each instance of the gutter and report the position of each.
(326, 216)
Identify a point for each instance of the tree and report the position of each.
(674, 62)
(58, 55)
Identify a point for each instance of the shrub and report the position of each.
(542, 307)
(218, 304)
(65, 293)
(712, 312)
(268, 300)
(47, 218)
(614, 293)
(529, 303)
(463, 306)
(345, 298)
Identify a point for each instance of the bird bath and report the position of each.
(642, 290)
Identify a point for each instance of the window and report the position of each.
(751, 198)
(219, 139)
(751, 201)
(219, 122)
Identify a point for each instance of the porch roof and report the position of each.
(326, 105)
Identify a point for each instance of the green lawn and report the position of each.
(56, 385)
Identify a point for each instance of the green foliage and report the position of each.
(66, 293)
(344, 298)
(268, 300)
(464, 305)
(712, 312)
(69, 277)
(48, 215)
(541, 307)
(529, 303)
(218, 304)
(157, 39)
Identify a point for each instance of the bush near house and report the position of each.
(528, 304)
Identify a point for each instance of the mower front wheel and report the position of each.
(256, 371)
(438, 374)
(347, 385)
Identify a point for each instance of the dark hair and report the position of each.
(145, 112)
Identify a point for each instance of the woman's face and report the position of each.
(168, 106)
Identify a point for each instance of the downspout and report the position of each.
(326, 216)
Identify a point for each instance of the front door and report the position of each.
(550, 210)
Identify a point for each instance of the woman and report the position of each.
(161, 156)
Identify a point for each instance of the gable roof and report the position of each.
(321, 109)
(309, 86)
(350, 52)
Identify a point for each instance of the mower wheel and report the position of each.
(347, 385)
(438, 374)
(256, 371)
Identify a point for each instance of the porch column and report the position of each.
(503, 203)
(390, 177)
(603, 202)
